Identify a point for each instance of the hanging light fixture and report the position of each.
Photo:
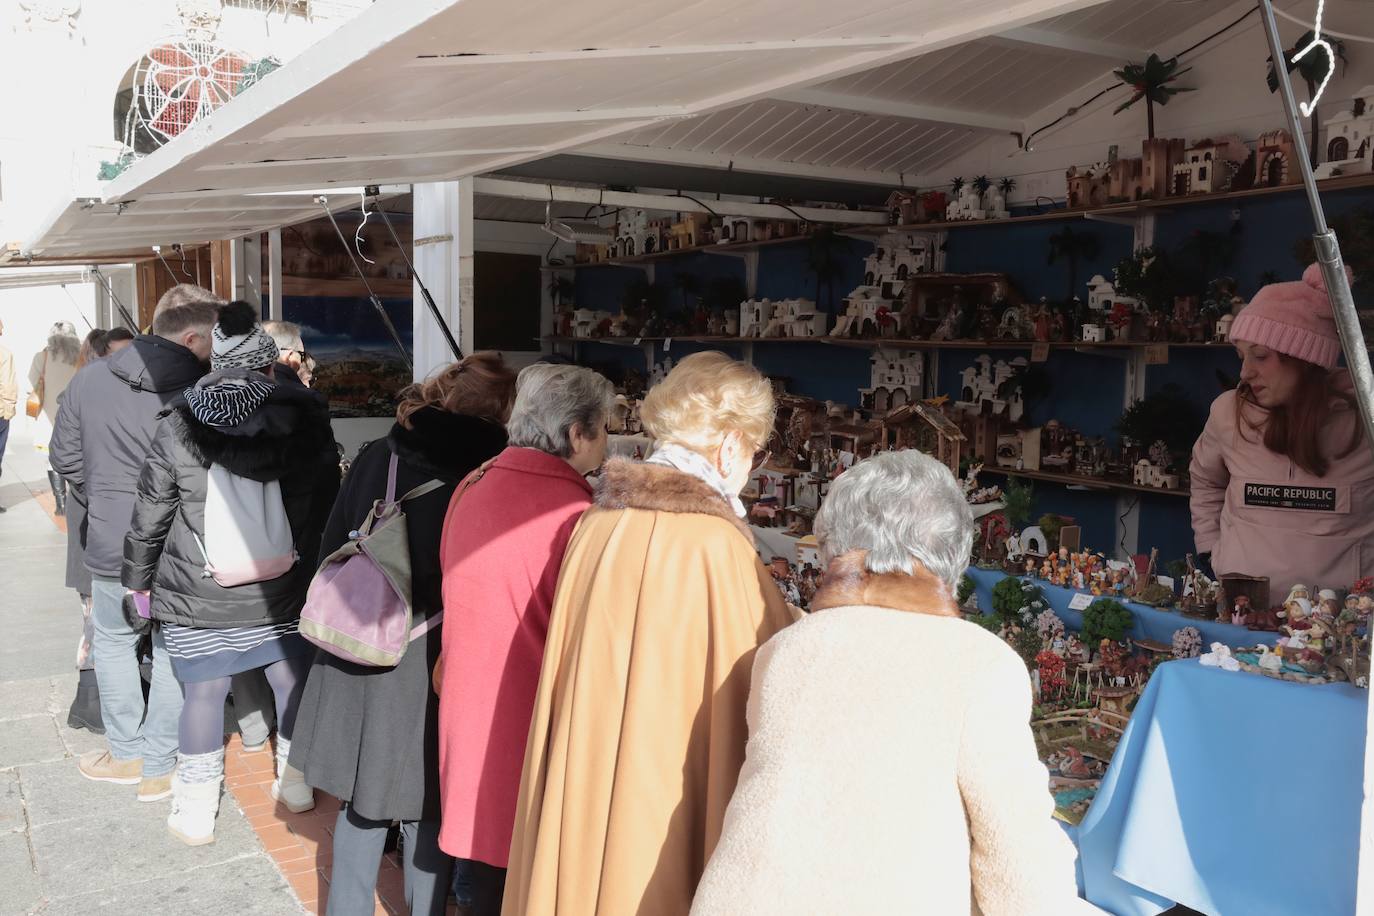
(574, 230)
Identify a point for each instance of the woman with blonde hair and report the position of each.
(370, 736)
(639, 721)
(51, 371)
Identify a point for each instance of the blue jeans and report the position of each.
(133, 733)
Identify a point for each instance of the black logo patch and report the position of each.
(1283, 496)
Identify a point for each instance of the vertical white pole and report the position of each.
(465, 239)
(274, 271)
(252, 270)
(439, 239)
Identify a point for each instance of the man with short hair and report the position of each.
(9, 396)
(290, 348)
(103, 432)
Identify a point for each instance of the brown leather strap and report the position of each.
(471, 479)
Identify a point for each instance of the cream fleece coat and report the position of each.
(890, 769)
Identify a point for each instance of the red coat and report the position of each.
(501, 552)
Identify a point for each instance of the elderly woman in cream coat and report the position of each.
(890, 766)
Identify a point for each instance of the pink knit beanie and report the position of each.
(1293, 318)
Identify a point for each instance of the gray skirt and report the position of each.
(204, 654)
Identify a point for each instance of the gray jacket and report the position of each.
(104, 432)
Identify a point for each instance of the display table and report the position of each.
(1230, 793)
(1150, 622)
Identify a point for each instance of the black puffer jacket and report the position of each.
(287, 438)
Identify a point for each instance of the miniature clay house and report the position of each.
(1102, 295)
(897, 379)
(795, 318)
(1159, 156)
(903, 207)
(1348, 133)
(922, 427)
(1275, 155)
(1125, 181)
(1088, 185)
(755, 315)
(1209, 165)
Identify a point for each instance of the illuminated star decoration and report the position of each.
(1317, 42)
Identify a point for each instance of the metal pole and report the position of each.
(1328, 248)
(157, 250)
(424, 290)
(376, 303)
(109, 290)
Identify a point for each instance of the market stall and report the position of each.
(1008, 239)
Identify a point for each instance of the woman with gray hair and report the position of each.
(890, 765)
(503, 545)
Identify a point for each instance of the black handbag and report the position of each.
(137, 621)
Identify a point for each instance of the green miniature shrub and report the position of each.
(1051, 524)
(966, 588)
(1106, 619)
(1017, 601)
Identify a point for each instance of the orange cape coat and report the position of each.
(639, 727)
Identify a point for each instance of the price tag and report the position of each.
(1156, 354)
(1080, 601)
(638, 341)
(1166, 581)
(668, 345)
(1040, 352)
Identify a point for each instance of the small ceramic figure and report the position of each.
(1297, 591)
(1240, 611)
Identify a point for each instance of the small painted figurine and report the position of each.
(1240, 611)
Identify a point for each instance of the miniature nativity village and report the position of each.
(1069, 409)
(1110, 263)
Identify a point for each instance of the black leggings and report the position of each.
(202, 717)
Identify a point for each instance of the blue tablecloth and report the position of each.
(1150, 622)
(1230, 793)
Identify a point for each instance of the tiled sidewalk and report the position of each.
(301, 844)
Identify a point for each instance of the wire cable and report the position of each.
(1075, 109)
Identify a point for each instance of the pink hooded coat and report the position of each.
(1260, 514)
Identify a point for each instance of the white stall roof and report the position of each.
(85, 228)
(419, 90)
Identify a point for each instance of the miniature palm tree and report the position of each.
(981, 184)
(1313, 68)
(1070, 246)
(956, 186)
(1006, 186)
(826, 256)
(1150, 81)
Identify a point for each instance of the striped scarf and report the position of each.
(226, 399)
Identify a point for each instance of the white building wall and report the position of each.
(61, 86)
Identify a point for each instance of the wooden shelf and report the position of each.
(874, 344)
(1074, 480)
(1326, 185)
(727, 249)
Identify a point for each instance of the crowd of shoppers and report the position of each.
(605, 705)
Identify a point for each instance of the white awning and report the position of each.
(86, 228)
(426, 90)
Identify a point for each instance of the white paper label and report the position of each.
(667, 345)
(1080, 601)
(638, 341)
(1166, 581)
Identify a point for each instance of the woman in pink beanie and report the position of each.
(1282, 483)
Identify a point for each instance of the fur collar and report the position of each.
(848, 584)
(626, 484)
(446, 445)
(288, 432)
